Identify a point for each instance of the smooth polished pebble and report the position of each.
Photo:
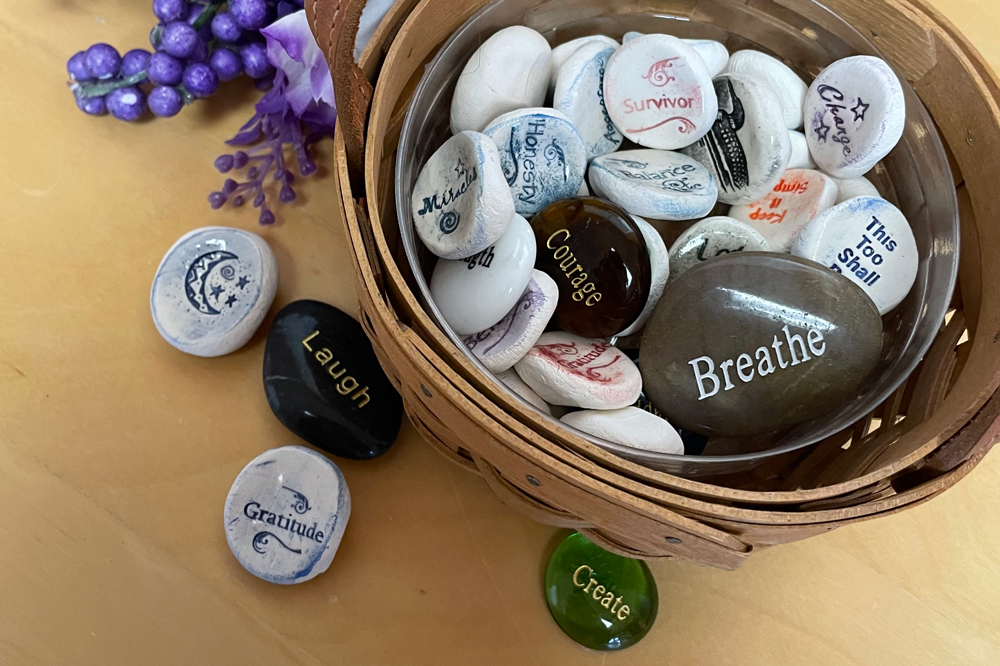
(542, 156)
(855, 111)
(597, 255)
(659, 93)
(286, 514)
(628, 426)
(506, 342)
(800, 159)
(869, 240)
(799, 196)
(748, 148)
(561, 53)
(461, 202)
(713, 237)
(510, 71)
(513, 381)
(325, 384)
(787, 89)
(752, 342)
(855, 187)
(656, 184)
(565, 369)
(713, 53)
(659, 262)
(475, 293)
(212, 290)
(579, 93)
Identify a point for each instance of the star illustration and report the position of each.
(859, 110)
(230, 301)
(216, 290)
(822, 130)
(460, 167)
(243, 281)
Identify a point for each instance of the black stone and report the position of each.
(313, 353)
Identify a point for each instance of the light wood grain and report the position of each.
(116, 451)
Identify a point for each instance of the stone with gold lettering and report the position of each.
(598, 257)
(807, 340)
(780, 216)
(713, 237)
(601, 600)
(324, 382)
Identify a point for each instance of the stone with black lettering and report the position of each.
(461, 203)
(855, 112)
(780, 216)
(753, 343)
(324, 383)
(579, 93)
(748, 147)
(713, 237)
(542, 156)
(286, 514)
(655, 184)
(598, 257)
(869, 240)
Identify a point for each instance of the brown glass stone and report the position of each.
(596, 254)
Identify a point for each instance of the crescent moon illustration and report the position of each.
(197, 278)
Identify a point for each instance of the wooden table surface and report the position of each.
(116, 451)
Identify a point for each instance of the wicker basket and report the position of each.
(884, 463)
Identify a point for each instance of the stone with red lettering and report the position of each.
(628, 426)
(656, 184)
(710, 238)
(579, 93)
(869, 240)
(659, 92)
(855, 111)
(779, 217)
(786, 89)
(565, 369)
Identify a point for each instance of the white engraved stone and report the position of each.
(579, 93)
(628, 426)
(855, 187)
(713, 237)
(286, 514)
(748, 148)
(213, 289)
(659, 262)
(513, 381)
(565, 369)
(541, 154)
(855, 112)
(656, 184)
(506, 342)
(713, 53)
(800, 159)
(787, 90)
(561, 53)
(461, 202)
(510, 71)
(475, 293)
(868, 240)
(799, 196)
(659, 93)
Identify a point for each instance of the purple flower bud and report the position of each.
(238, 200)
(200, 80)
(229, 186)
(102, 61)
(217, 200)
(287, 195)
(135, 61)
(226, 64)
(165, 102)
(164, 69)
(224, 163)
(179, 39)
(200, 53)
(258, 200)
(127, 103)
(279, 174)
(225, 28)
(92, 106)
(240, 159)
(266, 217)
(249, 14)
(255, 62)
(286, 8)
(77, 68)
(307, 168)
(170, 10)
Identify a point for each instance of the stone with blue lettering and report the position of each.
(579, 93)
(854, 111)
(655, 184)
(869, 240)
(542, 156)
(461, 203)
(286, 514)
(212, 290)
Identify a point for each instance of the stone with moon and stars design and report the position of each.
(286, 514)
(324, 382)
(808, 339)
(212, 290)
(601, 600)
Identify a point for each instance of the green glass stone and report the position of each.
(601, 600)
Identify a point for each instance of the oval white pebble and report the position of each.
(286, 514)
(855, 187)
(659, 262)
(461, 202)
(748, 148)
(579, 94)
(713, 237)
(800, 159)
(561, 53)
(513, 381)
(868, 240)
(541, 154)
(715, 54)
(565, 369)
(475, 293)
(787, 90)
(628, 426)
(506, 342)
(659, 93)
(855, 111)
(799, 196)
(509, 71)
(212, 290)
(657, 184)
